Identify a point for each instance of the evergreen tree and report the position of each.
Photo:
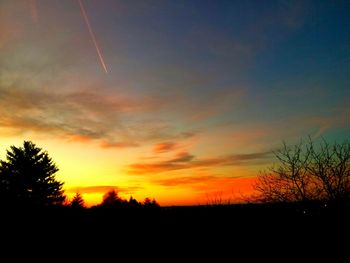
(77, 201)
(27, 178)
(111, 199)
(148, 203)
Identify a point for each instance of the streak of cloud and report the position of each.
(77, 116)
(118, 144)
(187, 161)
(164, 147)
(182, 157)
(84, 115)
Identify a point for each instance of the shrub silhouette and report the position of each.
(308, 172)
(27, 178)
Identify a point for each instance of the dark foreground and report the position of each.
(215, 219)
(179, 229)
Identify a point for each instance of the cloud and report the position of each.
(187, 161)
(182, 157)
(103, 189)
(78, 115)
(164, 147)
(339, 117)
(118, 144)
(316, 125)
(235, 159)
(85, 115)
(48, 86)
(186, 135)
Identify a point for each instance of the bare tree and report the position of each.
(330, 164)
(307, 172)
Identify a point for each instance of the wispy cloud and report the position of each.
(118, 144)
(78, 115)
(188, 161)
(182, 157)
(85, 115)
(336, 118)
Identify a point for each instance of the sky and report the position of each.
(181, 101)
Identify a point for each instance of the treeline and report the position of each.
(111, 200)
(305, 173)
(28, 180)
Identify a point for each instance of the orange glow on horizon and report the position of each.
(225, 191)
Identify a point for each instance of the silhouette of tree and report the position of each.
(27, 178)
(77, 201)
(308, 172)
(133, 203)
(330, 164)
(290, 180)
(155, 203)
(111, 199)
(148, 203)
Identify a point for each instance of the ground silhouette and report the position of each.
(135, 221)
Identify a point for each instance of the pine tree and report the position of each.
(77, 201)
(111, 199)
(27, 178)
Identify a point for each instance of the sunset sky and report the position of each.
(182, 101)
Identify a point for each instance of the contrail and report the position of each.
(92, 35)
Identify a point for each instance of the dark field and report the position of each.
(216, 220)
(222, 233)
